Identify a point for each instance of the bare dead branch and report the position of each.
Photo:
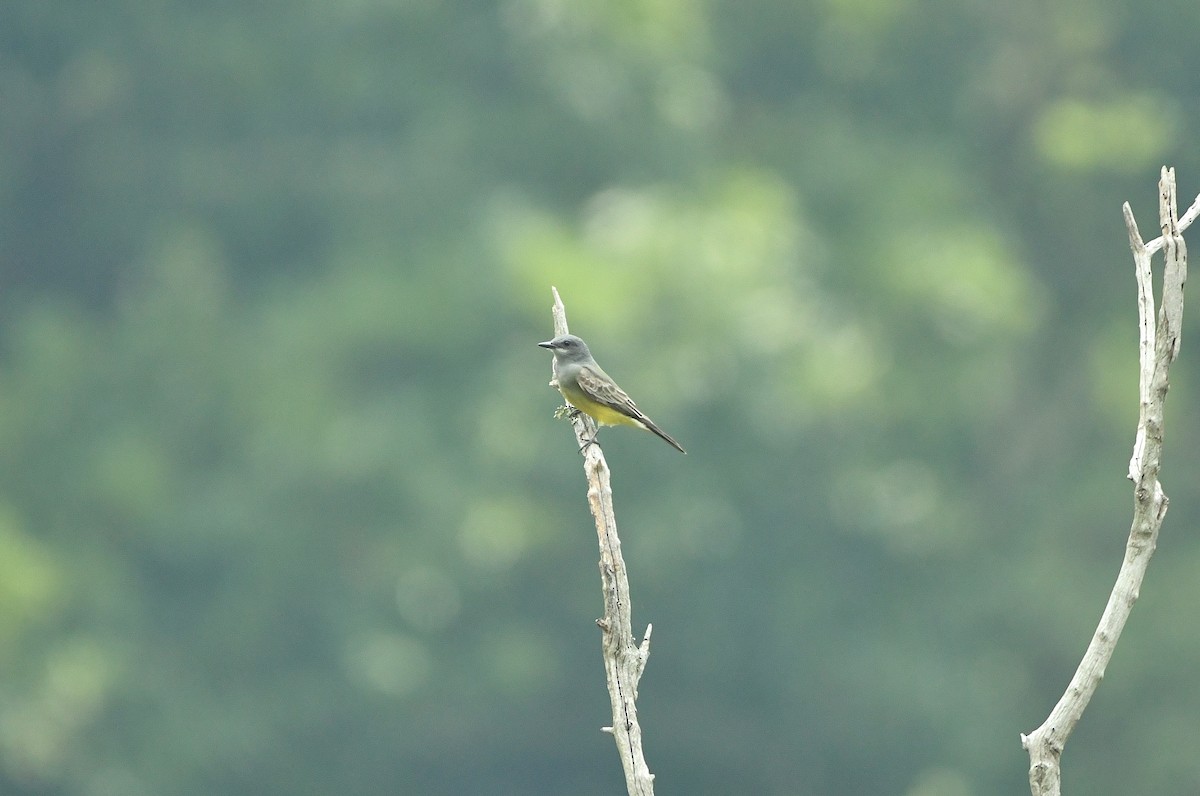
(1158, 347)
(624, 660)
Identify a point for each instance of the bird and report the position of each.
(589, 389)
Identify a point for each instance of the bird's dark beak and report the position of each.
(547, 344)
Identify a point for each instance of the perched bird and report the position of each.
(592, 391)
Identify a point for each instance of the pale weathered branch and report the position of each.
(1158, 347)
(624, 660)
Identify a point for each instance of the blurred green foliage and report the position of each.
(283, 509)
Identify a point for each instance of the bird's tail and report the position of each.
(649, 424)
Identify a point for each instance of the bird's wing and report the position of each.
(604, 390)
(596, 384)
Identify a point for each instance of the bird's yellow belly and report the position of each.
(604, 415)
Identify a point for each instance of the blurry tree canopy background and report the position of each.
(283, 508)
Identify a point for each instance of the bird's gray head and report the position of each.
(568, 348)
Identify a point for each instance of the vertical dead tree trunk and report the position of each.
(1158, 347)
(623, 659)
